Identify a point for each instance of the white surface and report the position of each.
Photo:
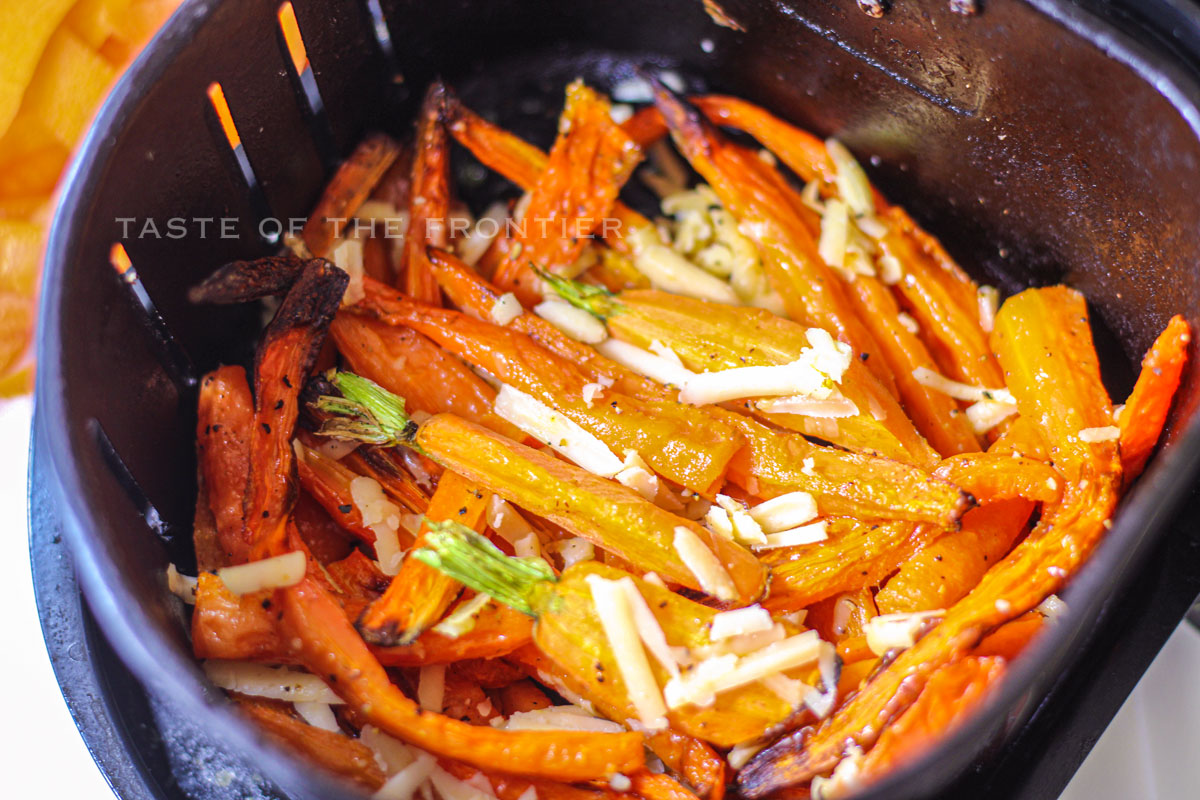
(1150, 752)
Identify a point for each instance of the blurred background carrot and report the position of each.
(60, 59)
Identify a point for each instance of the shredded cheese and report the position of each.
(740, 621)
(648, 628)
(591, 391)
(563, 435)
(908, 323)
(182, 586)
(987, 414)
(348, 256)
(669, 271)
(988, 298)
(383, 517)
(471, 247)
(637, 476)
(835, 224)
(717, 520)
(404, 784)
(645, 363)
(617, 618)
(270, 573)
(273, 683)
(506, 308)
(960, 391)
(318, 715)
(574, 322)
(560, 718)
(745, 528)
(451, 788)
(821, 365)
(701, 562)
(462, 619)
(575, 550)
(391, 754)
(835, 407)
(896, 631)
(794, 537)
(709, 678)
(852, 183)
(1108, 433)
(785, 511)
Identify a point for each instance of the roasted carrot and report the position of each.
(855, 555)
(589, 162)
(523, 695)
(498, 631)
(394, 471)
(944, 570)
(694, 761)
(328, 482)
(710, 337)
(991, 476)
(224, 421)
(1021, 438)
(1042, 338)
(331, 750)
(326, 540)
(678, 442)
(232, 627)
(1010, 639)
(409, 364)
(329, 646)
(507, 787)
(289, 347)
(243, 281)
(842, 617)
(429, 204)
(770, 212)
(950, 695)
(1145, 411)
(419, 595)
(569, 630)
(654, 786)
(350, 186)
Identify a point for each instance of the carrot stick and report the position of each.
(842, 617)
(507, 787)
(770, 212)
(681, 443)
(1042, 339)
(232, 627)
(1021, 438)
(855, 555)
(419, 595)
(589, 162)
(935, 414)
(653, 786)
(225, 417)
(694, 761)
(1146, 409)
(325, 539)
(498, 631)
(332, 750)
(952, 693)
(991, 476)
(286, 354)
(944, 570)
(429, 205)
(523, 695)
(408, 364)
(350, 186)
(393, 475)
(1010, 639)
(330, 647)
(328, 482)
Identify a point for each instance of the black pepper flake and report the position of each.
(332, 678)
(207, 430)
(462, 511)
(216, 427)
(599, 679)
(346, 509)
(864, 356)
(287, 382)
(278, 404)
(937, 558)
(266, 604)
(266, 514)
(266, 427)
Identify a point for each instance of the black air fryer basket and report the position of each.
(1042, 141)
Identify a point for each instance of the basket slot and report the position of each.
(383, 36)
(171, 355)
(300, 70)
(133, 490)
(240, 162)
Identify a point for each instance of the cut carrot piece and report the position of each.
(1146, 409)
(349, 187)
(224, 420)
(429, 206)
(991, 476)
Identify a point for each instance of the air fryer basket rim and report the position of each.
(1143, 512)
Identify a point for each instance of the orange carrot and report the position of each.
(224, 421)
(330, 647)
(350, 186)
(1010, 639)
(429, 205)
(419, 595)
(498, 631)
(990, 476)
(1146, 409)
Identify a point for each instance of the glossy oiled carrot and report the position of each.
(569, 631)
(325, 539)
(655, 786)
(330, 647)
(1010, 639)
(394, 475)
(331, 750)
(1042, 339)
(609, 515)
(992, 476)
(950, 330)
(842, 617)
(1021, 438)
(1146, 409)
(506, 787)
(692, 760)
(472, 294)
(944, 570)
(951, 694)
(286, 354)
(328, 482)
(843, 483)
(678, 442)
(935, 414)
(409, 364)
(232, 627)
(770, 212)
(575, 192)
(498, 631)
(419, 595)
(429, 205)
(350, 186)
(225, 416)
(855, 555)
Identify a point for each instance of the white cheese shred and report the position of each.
(739, 622)
(273, 683)
(563, 435)
(1108, 433)
(702, 563)
(506, 308)
(617, 618)
(574, 322)
(277, 572)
